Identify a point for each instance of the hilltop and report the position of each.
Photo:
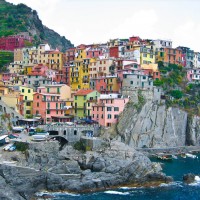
(21, 18)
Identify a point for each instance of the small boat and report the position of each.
(174, 157)
(190, 155)
(183, 155)
(164, 157)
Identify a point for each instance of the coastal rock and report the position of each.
(193, 131)
(153, 126)
(189, 178)
(74, 171)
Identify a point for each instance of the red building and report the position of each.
(114, 52)
(12, 42)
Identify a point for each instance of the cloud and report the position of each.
(187, 34)
(142, 23)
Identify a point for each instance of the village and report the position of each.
(86, 86)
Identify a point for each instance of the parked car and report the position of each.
(7, 147)
(12, 148)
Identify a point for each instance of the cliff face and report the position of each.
(156, 126)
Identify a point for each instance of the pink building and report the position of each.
(108, 108)
(6, 76)
(193, 75)
(94, 52)
(49, 103)
(12, 42)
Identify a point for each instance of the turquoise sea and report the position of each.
(175, 191)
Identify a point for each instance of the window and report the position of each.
(28, 112)
(88, 104)
(101, 108)
(22, 90)
(38, 104)
(131, 82)
(48, 112)
(29, 91)
(109, 108)
(145, 55)
(109, 116)
(75, 97)
(102, 116)
(28, 103)
(116, 116)
(58, 90)
(38, 97)
(25, 97)
(84, 97)
(144, 77)
(47, 90)
(116, 108)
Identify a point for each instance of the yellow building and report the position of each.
(56, 60)
(27, 100)
(153, 67)
(147, 54)
(28, 69)
(79, 71)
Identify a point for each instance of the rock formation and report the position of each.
(45, 168)
(154, 125)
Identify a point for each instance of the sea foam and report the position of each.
(116, 192)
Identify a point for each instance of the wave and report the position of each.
(196, 182)
(116, 192)
(127, 188)
(177, 183)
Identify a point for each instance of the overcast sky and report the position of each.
(92, 21)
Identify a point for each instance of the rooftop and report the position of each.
(84, 92)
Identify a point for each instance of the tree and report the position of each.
(177, 94)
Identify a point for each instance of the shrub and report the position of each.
(80, 146)
(21, 146)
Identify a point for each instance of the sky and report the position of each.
(97, 21)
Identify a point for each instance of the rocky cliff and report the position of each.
(44, 167)
(21, 18)
(151, 124)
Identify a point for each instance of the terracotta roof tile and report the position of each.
(84, 92)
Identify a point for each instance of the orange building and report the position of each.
(173, 56)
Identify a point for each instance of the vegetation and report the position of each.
(6, 57)
(184, 95)
(80, 146)
(21, 18)
(21, 146)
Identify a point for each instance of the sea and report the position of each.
(176, 190)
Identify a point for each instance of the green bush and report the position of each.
(177, 94)
(21, 146)
(80, 146)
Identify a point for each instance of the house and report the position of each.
(139, 80)
(27, 101)
(108, 108)
(82, 101)
(173, 56)
(38, 77)
(50, 103)
(193, 75)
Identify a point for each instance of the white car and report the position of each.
(70, 123)
(7, 147)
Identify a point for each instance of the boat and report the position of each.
(191, 155)
(164, 157)
(183, 155)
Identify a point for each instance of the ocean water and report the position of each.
(175, 191)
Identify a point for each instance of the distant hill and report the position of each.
(21, 18)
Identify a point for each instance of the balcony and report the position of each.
(36, 85)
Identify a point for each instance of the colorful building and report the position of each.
(50, 103)
(27, 101)
(108, 108)
(81, 100)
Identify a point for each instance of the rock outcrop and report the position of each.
(70, 170)
(155, 126)
(148, 122)
(193, 131)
